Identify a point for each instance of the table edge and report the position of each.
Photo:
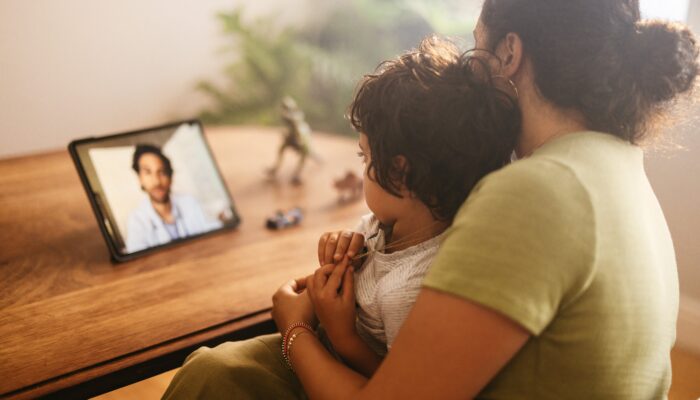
(105, 376)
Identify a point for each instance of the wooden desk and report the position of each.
(69, 317)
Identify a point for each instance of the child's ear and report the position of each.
(400, 162)
(400, 168)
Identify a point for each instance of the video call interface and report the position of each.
(156, 187)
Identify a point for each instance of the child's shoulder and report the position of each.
(367, 225)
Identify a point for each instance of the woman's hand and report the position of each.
(332, 293)
(333, 246)
(291, 304)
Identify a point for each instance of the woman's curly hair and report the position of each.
(600, 58)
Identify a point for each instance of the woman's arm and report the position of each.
(356, 353)
(448, 348)
(322, 376)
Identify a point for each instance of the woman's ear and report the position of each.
(510, 52)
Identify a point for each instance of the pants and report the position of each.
(248, 369)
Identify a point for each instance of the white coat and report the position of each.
(146, 229)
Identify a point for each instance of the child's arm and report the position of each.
(336, 312)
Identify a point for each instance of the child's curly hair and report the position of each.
(445, 113)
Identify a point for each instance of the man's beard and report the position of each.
(162, 200)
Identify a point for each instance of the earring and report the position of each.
(512, 85)
(515, 89)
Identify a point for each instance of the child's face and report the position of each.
(383, 205)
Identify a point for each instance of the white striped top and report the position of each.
(387, 285)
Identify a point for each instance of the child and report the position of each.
(432, 123)
(430, 128)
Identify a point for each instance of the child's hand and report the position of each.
(333, 246)
(291, 304)
(332, 292)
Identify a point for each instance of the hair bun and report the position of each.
(665, 58)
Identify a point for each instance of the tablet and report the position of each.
(153, 188)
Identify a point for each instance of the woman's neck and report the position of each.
(413, 229)
(542, 120)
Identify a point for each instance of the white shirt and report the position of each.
(387, 285)
(145, 227)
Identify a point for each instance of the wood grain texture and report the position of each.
(686, 375)
(67, 314)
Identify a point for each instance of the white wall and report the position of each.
(675, 176)
(76, 68)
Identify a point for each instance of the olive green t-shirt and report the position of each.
(571, 244)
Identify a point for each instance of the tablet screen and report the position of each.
(153, 187)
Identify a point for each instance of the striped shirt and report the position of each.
(387, 285)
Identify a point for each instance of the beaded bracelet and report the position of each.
(285, 339)
(290, 342)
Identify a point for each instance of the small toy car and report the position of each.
(282, 220)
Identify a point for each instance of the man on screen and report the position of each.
(162, 216)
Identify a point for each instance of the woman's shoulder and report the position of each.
(537, 191)
(565, 173)
(575, 160)
(533, 177)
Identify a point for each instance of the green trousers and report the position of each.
(249, 369)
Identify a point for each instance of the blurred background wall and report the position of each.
(78, 68)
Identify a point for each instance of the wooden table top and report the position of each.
(68, 315)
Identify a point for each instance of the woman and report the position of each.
(558, 277)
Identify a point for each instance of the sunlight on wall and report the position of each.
(674, 10)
